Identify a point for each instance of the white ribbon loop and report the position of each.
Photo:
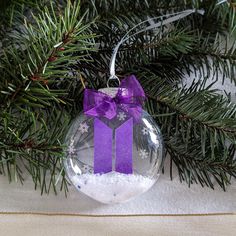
(172, 17)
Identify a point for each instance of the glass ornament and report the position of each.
(113, 159)
(114, 148)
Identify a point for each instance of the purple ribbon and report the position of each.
(124, 147)
(102, 147)
(103, 140)
(130, 97)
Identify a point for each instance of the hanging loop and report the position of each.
(170, 18)
(114, 77)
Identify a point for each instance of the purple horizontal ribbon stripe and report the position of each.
(124, 147)
(102, 147)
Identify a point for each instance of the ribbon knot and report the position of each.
(130, 97)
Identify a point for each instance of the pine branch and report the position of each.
(11, 15)
(202, 45)
(193, 169)
(34, 147)
(37, 75)
(199, 128)
(50, 44)
(148, 50)
(202, 106)
(215, 60)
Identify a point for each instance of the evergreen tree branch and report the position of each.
(33, 120)
(199, 132)
(49, 45)
(194, 169)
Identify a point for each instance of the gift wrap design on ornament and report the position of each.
(114, 148)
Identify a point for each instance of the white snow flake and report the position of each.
(83, 128)
(121, 116)
(145, 131)
(143, 154)
(71, 149)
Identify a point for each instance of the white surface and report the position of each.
(41, 225)
(112, 187)
(165, 197)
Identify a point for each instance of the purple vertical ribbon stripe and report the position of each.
(124, 147)
(102, 147)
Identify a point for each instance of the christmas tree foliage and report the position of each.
(50, 50)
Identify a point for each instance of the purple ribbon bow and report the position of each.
(130, 97)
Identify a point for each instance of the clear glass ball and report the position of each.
(113, 160)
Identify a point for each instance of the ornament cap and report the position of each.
(112, 91)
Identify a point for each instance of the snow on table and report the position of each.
(112, 187)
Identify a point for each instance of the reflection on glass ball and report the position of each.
(113, 160)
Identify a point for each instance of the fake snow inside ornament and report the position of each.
(114, 148)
